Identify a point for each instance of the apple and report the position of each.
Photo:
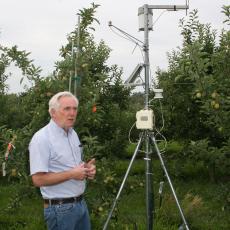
(217, 106)
(198, 95)
(14, 172)
(214, 95)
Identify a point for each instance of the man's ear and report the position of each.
(52, 113)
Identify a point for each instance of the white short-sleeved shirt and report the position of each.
(54, 150)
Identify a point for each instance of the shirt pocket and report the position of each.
(62, 157)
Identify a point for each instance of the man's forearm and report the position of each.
(50, 178)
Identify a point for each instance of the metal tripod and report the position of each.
(147, 137)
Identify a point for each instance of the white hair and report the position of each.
(54, 101)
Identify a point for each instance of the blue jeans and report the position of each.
(71, 216)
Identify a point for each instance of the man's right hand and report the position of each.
(79, 172)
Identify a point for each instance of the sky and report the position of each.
(41, 28)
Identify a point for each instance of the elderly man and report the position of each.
(57, 167)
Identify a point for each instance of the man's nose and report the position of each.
(73, 112)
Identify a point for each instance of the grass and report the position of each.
(205, 204)
(21, 208)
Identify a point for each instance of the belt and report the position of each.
(63, 200)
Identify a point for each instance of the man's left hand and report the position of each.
(90, 165)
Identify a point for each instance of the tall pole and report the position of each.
(146, 55)
(148, 165)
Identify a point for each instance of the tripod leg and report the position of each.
(123, 182)
(169, 180)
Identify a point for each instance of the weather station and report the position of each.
(145, 119)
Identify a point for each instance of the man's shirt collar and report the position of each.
(59, 129)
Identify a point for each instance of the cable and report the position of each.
(125, 33)
(128, 37)
(130, 133)
(163, 139)
(162, 117)
(158, 132)
(159, 17)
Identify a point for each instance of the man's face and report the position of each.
(65, 115)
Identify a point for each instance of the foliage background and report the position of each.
(196, 121)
